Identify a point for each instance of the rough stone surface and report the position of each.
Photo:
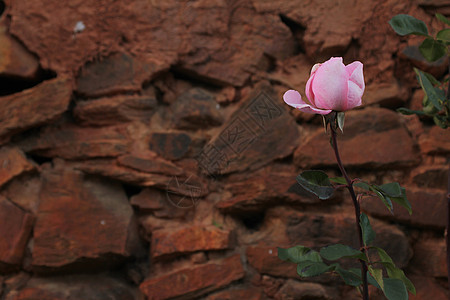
(75, 287)
(24, 192)
(428, 288)
(15, 229)
(434, 176)
(170, 145)
(13, 163)
(189, 239)
(113, 110)
(81, 220)
(74, 142)
(248, 294)
(430, 257)
(265, 260)
(113, 74)
(186, 184)
(435, 141)
(428, 206)
(35, 106)
(15, 60)
(262, 189)
(160, 204)
(294, 289)
(260, 131)
(194, 281)
(372, 138)
(196, 108)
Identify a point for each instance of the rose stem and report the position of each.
(357, 211)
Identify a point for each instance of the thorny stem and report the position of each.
(357, 211)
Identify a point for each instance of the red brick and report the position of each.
(427, 289)
(265, 260)
(15, 60)
(75, 287)
(247, 294)
(371, 138)
(15, 229)
(429, 208)
(113, 110)
(74, 142)
(36, 106)
(189, 239)
(82, 220)
(435, 140)
(13, 163)
(430, 257)
(194, 281)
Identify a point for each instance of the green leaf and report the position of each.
(312, 268)
(335, 252)
(442, 18)
(440, 121)
(363, 185)
(349, 277)
(444, 35)
(403, 201)
(432, 49)
(406, 111)
(393, 271)
(377, 275)
(370, 279)
(317, 182)
(341, 120)
(295, 254)
(338, 180)
(392, 189)
(367, 231)
(386, 201)
(428, 88)
(394, 289)
(406, 24)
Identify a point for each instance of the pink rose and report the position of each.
(331, 86)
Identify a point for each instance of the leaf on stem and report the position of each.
(432, 49)
(377, 274)
(393, 271)
(430, 91)
(442, 18)
(367, 231)
(335, 252)
(297, 254)
(444, 35)
(394, 289)
(338, 180)
(312, 268)
(406, 24)
(349, 277)
(316, 182)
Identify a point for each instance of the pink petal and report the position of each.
(330, 85)
(355, 73)
(354, 95)
(308, 90)
(312, 110)
(293, 98)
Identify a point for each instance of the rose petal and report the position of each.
(330, 85)
(308, 90)
(354, 95)
(293, 98)
(355, 72)
(312, 110)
